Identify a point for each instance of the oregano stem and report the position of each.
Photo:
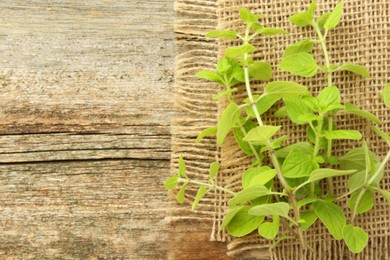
(380, 168)
(357, 202)
(250, 144)
(207, 185)
(329, 180)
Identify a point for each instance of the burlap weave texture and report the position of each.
(362, 37)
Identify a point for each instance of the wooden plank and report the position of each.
(85, 111)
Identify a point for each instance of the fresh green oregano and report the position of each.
(299, 167)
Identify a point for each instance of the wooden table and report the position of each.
(85, 110)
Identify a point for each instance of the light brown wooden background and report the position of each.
(85, 107)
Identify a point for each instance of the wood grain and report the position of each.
(85, 111)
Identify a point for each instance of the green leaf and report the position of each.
(301, 19)
(214, 168)
(306, 201)
(182, 167)
(277, 208)
(332, 217)
(381, 133)
(260, 70)
(355, 238)
(386, 95)
(311, 10)
(334, 17)
(309, 217)
(343, 134)
(366, 202)
(180, 194)
(261, 134)
(302, 147)
(262, 105)
(224, 65)
(356, 181)
(322, 19)
(301, 64)
(230, 215)
(350, 108)
(271, 31)
(229, 118)
(239, 136)
(281, 112)
(269, 230)
(285, 89)
(242, 223)
(234, 52)
(211, 131)
(263, 178)
(297, 165)
(385, 194)
(171, 183)
(199, 195)
(323, 173)
(248, 17)
(248, 194)
(355, 159)
(328, 97)
(358, 69)
(251, 173)
(209, 75)
(304, 46)
(222, 34)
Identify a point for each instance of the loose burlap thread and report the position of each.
(362, 37)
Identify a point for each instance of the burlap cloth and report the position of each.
(363, 37)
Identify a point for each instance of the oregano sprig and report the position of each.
(299, 167)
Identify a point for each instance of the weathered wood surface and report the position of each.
(85, 109)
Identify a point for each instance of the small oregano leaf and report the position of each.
(271, 31)
(239, 136)
(214, 168)
(277, 208)
(285, 89)
(335, 16)
(357, 69)
(329, 96)
(385, 194)
(305, 46)
(322, 19)
(182, 167)
(269, 230)
(350, 108)
(250, 175)
(171, 183)
(248, 17)
(248, 194)
(301, 19)
(343, 134)
(199, 195)
(297, 165)
(180, 194)
(243, 223)
(301, 64)
(366, 202)
(230, 215)
(323, 173)
(386, 95)
(260, 70)
(228, 34)
(229, 118)
(309, 218)
(209, 75)
(211, 131)
(302, 147)
(239, 51)
(332, 216)
(355, 238)
(261, 134)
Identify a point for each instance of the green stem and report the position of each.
(357, 202)
(329, 154)
(380, 168)
(207, 185)
(272, 154)
(250, 144)
(322, 41)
